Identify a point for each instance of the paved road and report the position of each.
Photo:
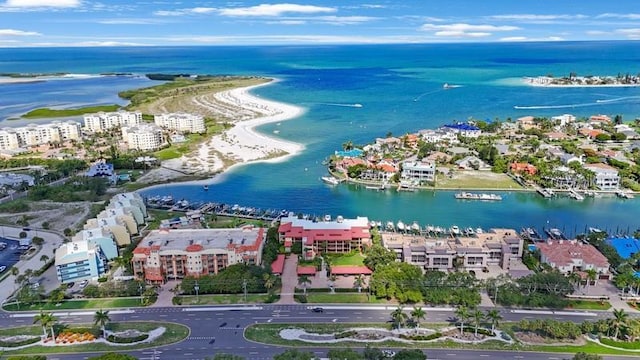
(220, 329)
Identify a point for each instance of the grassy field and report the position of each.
(476, 180)
(356, 259)
(173, 333)
(223, 299)
(53, 113)
(269, 334)
(343, 298)
(77, 304)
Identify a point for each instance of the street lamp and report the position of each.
(140, 290)
(196, 287)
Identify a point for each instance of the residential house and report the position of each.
(463, 129)
(564, 119)
(420, 172)
(472, 163)
(606, 177)
(527, 122)
(518, 168)
(598, 120)
(573, 256)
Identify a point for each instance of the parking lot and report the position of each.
(10, 253)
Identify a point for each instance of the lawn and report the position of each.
(173, 333)
(223, 299)
(356, 259)
(77, 304)
(589, 305)
(269, 334)
(343, 298)
(476, 180)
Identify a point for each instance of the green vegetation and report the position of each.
(589, 305)
(75, 304)
(75, 189)
(476, 180)
(173, 333)
(343, 298)
(222, 299)
(354, 259)
(543, 289)
(228, 281)
(52, 113)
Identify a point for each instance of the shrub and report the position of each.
(27, 357)
(433, 336)
(102, 279)
(300, 298)
(28, 341)
(345, 334)
(176, 300)
(127, 340)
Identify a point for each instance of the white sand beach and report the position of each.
(240, 144)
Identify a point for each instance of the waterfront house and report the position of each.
(606, 177)
(463, 129)
(571, 256)
(320, 237)
(421, 172)
(527, 122)
(472, 163)
(518, 168)
(388, 143)
(599, 119)
(173, 254)
(590, 133)
(564, 119)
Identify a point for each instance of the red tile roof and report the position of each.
(562, 254)
(194, 248)
(306, 270)
(350, 270)
(278, 265)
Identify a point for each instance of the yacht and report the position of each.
(479, 231)
(454, 230)
(415, 226)
(400, 225)
(206, 187)
(469, 231)
(390, 226)
(330, 180)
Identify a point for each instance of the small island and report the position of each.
(573, 80)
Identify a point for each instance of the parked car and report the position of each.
(84, 283)
(70, 285)
(3, 268)
(317, 309)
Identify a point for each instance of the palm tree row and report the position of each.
(476, 315)
(400, 318)
(48, 321)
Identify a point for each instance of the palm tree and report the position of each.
(494, 317)
(46, 320)
(44, 258)
(592, 275)
(358, 282)
(463, 314)
(332, 282)
(477, 315)
(270, 281)
(619, 321)
(418, 314)
(575, 279)
(102, 318)
(304, 280)
(399, 317)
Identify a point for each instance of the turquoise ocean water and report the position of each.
(401, 90)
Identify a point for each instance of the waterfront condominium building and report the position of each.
(320, 237)
(33, 135)
(606, 177)
(496, 247)
(144, 137)
(169, 254)
(420, 172)
(86, 256)
(99, 122)
(182, 122)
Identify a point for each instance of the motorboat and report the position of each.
(400, 225)
(330, 180)
(454, 230)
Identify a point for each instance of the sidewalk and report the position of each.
(166, 294)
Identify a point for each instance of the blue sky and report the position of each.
(166, 22)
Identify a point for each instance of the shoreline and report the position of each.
(242, 144)
(543, 81)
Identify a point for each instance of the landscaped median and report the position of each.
(95, 303)
(87, 338)
(427, 336)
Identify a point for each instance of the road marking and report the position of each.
(451, 354)
(270, 320)
(227, 308)
(334, 320)
(484, 355)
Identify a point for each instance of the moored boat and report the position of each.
(330, 180)
(473, 196)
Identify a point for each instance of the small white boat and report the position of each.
(415, 226)
(276, 131)
(400, 225)
(469, 231)
(205, 188)
(390, 226)
(330, 180)
(454, 230)
(479, 231)
(327, 217)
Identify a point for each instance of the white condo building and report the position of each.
(99, 122)
(33, 135)
(419, 171)
(144, 137)
(606, 177)
(182, 122)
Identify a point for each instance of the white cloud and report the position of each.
(597, 32)
(537, 17)
(203, 10)
(465, 30)
(42, 3)
(633, 34)
(344, 20)
(127, 22)
(287, 22)
(630, 16)
(524, 38)
(169, 12)
(186, 11)
(14, 32)
(275, 10)
(467, 27)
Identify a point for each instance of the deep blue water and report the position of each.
(385, 79)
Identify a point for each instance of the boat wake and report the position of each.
(427, 93)
(620, 99)
(567, 106)
(343, 105)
